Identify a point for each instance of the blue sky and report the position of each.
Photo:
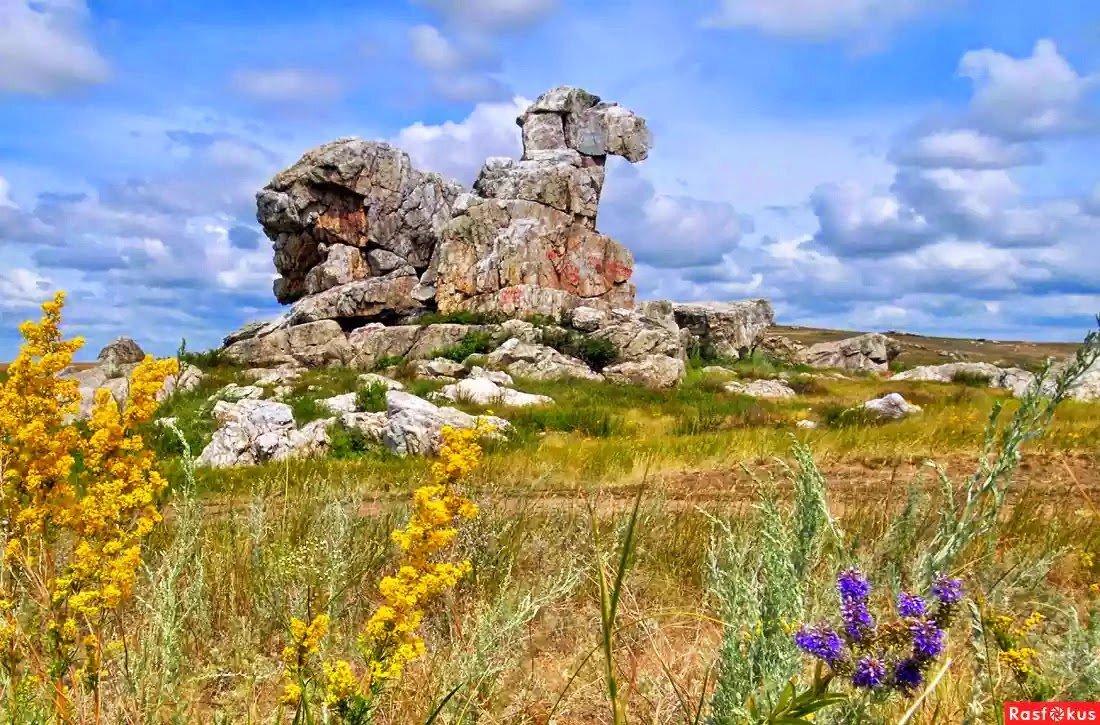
(922, 165)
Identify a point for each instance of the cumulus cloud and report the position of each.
(45, 49)
(461, 68)
(287, 85)
(818, 19)
(965, 148)
(21, 288)
(1040, 95)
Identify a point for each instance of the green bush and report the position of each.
(970, 379)
(389, 361)
(475, 342)
(596, 352)
(347, 443)
(840, 416)
(372, 398)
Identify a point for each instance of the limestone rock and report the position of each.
(521, 258)
(371, 425)
(233, 393)
(728, 329)
(635, 334)
(891, 406)
(559, 179)
(482, 391)
(413, 424)
(761, 389)
(368, 380)
(652, 371)
(372, 343)
(365, 299)
(250, 432)
(189, 378)
(1013, 379)
(439, 368)
(342, 264)
(351, 192)
(497, 376)
(340, 404)
(538, 362)
(806, 424)
(781, 348)
(872, 351)
(313, 344)
(120, 351)
(282, 375)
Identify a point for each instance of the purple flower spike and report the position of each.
(821, 642)
(927, 640)
(910, 605)
(857, 620)
(908, 675)
(947, 591)
(870, 673)
(853, 585)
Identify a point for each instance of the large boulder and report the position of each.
(726, 329)
(255, 431)
(891, 406)
(636, 334)
(871, 352)
(313, 344)
(1015, 380)
(538, 362)
(651, 371)
(775, 389)
(119, 352)
(342, 205)
(414, 425)
(373, 343)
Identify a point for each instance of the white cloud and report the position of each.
(44, 48)
(1035, 96)
(20, 288)
(431, 50)
(287, 85)
(5, 194)
(458, 149)
(965, 148)
(818, 19)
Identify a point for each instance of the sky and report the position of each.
(919, 165)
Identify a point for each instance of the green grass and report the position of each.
(474, 342)
(372, 398)
(389, 361)
(596, 352)
(970, 379)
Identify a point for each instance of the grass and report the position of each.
(474, 342)
(596, 352)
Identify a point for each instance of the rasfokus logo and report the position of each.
(1052, 712)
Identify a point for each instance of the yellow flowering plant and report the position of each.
(76, 501)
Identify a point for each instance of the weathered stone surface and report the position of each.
(482, 391)
(521, 258)
(339, 404)
(351, 192)
(366, 299)
(189, 378)
(891, 406)
(1013, 379)
(781, 348)
(542, 132)
(371, 425)
(233, 392)
(872, 351)
(635, 334)
(120, 351)
(413, 424)
(538, 362)
(251, 431)
(368, 380)
(497, 376)
(313, 344)
(1087, 387)
(282, 375)
(439, 368)
(373, 343)
(608, 128)
(806, 424)
(728, 329)
(761, 389)
(342, 264)
(559, 179)
(652, 371)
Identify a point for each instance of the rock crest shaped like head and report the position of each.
(572, 118)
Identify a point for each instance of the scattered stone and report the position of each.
(413, 424)
(367, 380)
(282, 375)
(761, 389)
(891, 406)
(1014, 379)
(728, 329)
(872, 352)
(439, 368)
(652, 371)
(118, 352)
(497, 376)
(538, 362)
(251, 431)
(189, 378)
(482, 391)
(233, 392)
(806, 424)
(371, 425)
(340, 404)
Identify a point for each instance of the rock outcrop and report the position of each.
(526, 242)
(414, 425)
(776, 389)
(651, 371)
(354, 212)
(725, 329)
(871, 352)
(538, 362)
(1015, 380)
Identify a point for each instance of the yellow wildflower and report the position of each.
(1019, 660)
(1033, 621)
(341, 684)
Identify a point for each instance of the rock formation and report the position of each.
(728, 329)
(872, 352)
(526, 242)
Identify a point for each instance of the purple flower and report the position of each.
(853, 585)
(857, 620)
(870, 673)
(910, 605)
(821, 641)
(908, 675)
(927, 640)
(947, 591)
